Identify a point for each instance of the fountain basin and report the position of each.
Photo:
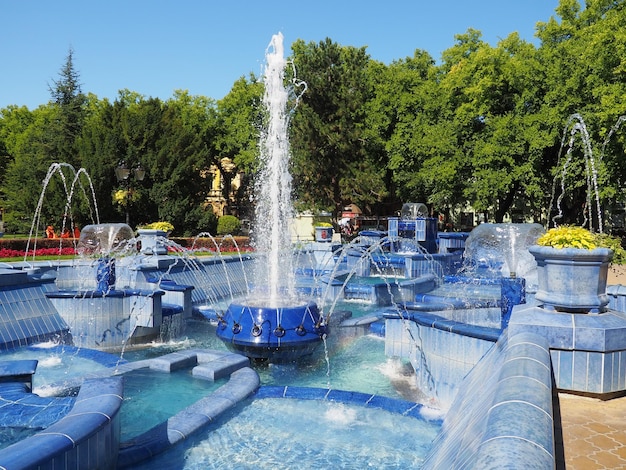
(274, 333)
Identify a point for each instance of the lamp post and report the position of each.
(122, 173)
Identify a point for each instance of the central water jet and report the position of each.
(274, 324)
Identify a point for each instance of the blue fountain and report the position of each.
(274, 324)
(277, 334)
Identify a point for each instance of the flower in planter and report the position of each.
(163, 226)
(568, 236)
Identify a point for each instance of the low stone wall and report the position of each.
(442, 352)
(588, 350)
(87, 437)
(27, 316)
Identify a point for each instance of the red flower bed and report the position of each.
(11, 253)
(16, 248)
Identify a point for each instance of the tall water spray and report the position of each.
(274, 324)
(274, 211)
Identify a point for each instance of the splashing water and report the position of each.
(57, 168)
(274, 210)
(578, 126)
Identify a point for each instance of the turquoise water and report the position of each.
(290, 433)
(302, 434)
(343, 362)
(277, 433)
(151, 397)
(55, 365)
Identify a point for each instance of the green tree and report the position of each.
(584, 58)
(69, 102)
(178, 167)
(46, 137)
(401, 113)
(332, 164)
(240, 117)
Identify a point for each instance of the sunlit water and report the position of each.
(286, 433)
(151, 397)
(290, 433)
(55, 365)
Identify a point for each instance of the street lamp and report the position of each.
(122, 173)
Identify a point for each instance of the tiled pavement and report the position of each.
(593, 433)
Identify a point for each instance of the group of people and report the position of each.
(50, 233)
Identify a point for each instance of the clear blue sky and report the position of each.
(154, 47)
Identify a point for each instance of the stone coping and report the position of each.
(434, 321)
(504, 418)
(603, 332)
(92, 418)
(393, 405)
(208, 365)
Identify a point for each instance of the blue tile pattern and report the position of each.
(502, 416)
(441, 351)
(587, 350)
(26, 315)
(87, 437)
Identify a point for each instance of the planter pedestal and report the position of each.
(152, 241)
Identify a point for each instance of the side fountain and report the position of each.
(273, 324)
(99, 313)
(466, 312)
(585, 335)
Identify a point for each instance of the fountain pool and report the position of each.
(424, 350)
(339, 435)
(378, 388)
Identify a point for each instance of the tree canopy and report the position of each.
(482, 128)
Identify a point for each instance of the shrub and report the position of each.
(228, 224)
(163, 226)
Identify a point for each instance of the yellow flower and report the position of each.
(568, 236)
(163, 226)
(123, 196)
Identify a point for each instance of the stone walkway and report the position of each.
(594, 433)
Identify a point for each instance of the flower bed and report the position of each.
(16, 247)
(58, 251)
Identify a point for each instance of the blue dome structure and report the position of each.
(276, 334)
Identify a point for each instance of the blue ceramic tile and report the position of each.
(580, 372)
(566, 370)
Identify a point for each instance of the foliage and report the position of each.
(481, 127)
(163, 226)
(228, 224)
(323, 224)
(614, 244)
(332, 164)
(567, 236)
(125, 197)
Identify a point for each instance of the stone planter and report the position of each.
(152, 241)
(572, 279)
(324, 234)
